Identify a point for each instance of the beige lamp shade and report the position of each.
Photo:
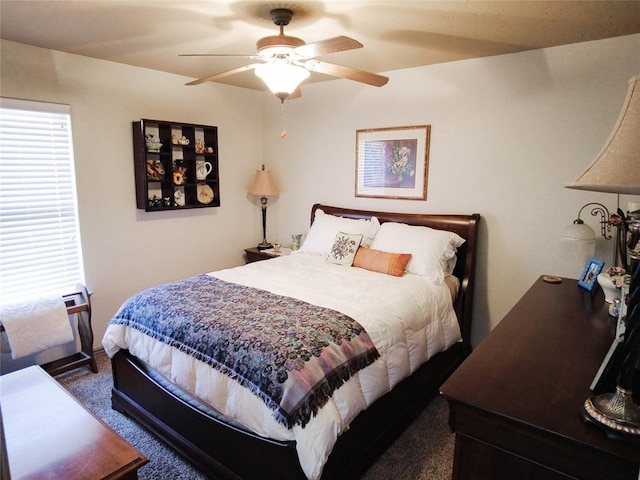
(262, 185)
(616, 169)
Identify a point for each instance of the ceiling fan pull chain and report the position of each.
(283, 115)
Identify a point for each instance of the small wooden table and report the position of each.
(515, 402)
(49, 434)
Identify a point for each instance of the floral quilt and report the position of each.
(290, 353)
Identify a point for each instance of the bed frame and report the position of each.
(222, 450)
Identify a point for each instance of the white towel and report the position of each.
(36, 325)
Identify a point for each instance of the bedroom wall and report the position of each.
(126, 249)
(507, 132)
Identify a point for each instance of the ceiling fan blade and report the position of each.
(330, 45)
(241, 55)
(346, 72)
(217, 76)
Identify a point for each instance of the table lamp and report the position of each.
(263, 187)
(616, 169)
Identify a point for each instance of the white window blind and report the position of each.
(39, 236)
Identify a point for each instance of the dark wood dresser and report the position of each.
(515, 402)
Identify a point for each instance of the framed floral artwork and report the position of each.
(393, 162)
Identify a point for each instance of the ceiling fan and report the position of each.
(286, 61)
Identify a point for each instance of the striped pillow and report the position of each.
(383, 262)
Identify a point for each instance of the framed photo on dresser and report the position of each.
(589, 277)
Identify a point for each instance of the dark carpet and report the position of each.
(423, 452)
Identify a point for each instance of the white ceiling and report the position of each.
(396, 33)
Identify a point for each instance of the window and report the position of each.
(40, 250)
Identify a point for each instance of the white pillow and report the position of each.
(325, 227)
(432, 251)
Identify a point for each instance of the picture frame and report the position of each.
(589, 277)
(393, 162)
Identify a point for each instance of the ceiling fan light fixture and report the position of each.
(281, 77)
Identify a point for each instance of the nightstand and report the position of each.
(255, 255)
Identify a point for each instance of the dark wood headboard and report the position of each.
(464, 225)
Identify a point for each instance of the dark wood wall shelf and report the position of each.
(176, 165)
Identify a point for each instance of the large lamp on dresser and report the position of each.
(616, 169)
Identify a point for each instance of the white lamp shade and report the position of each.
(281, 77)
(616, 169)
(577, 245)
(262, 185)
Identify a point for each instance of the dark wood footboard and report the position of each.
(222, 451)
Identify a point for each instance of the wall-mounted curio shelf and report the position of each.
(176, 165)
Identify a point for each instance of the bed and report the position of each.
(369, 416)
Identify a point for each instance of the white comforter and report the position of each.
(409, 319)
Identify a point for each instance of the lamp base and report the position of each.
(264, 245)
(616, 413)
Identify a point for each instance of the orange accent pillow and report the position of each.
(383, 262)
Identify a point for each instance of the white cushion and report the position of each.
(325, 227)
(432, 251)
(344, 248)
